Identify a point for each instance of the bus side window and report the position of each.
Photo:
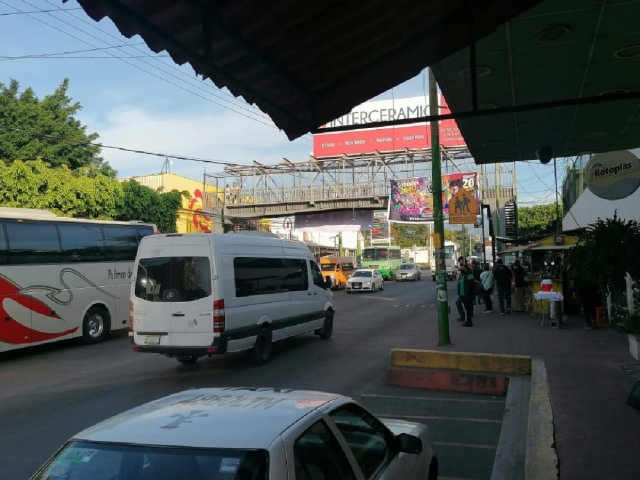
(81, 243)
(3, 245)
(121, 242)
(32, 242)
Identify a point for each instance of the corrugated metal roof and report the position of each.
(305, 62)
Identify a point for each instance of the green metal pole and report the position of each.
(438, 220)
(340, 249)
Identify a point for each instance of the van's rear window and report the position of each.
(173, 279)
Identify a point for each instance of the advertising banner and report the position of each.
(339, 221)
(388, 139)
(411, 200)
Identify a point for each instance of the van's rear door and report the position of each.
(192, 312)
(173, 301)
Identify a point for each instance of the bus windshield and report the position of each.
(448, 251)
(376, 253)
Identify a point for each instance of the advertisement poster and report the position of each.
(411, 200)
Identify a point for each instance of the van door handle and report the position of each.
(177, 314)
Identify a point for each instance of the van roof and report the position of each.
(217, 418)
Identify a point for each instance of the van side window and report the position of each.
(260, 276)
(297, 275)
(318, 280)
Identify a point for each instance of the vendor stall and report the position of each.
(544, 260)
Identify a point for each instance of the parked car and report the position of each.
(365, 279)
(246, 433)
(408, 271)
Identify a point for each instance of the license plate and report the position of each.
(355, 287)
(152, 340)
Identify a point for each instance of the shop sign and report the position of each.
(613, 175)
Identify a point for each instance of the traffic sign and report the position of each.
(287, 224)
(463, 208)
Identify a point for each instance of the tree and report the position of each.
(605, 252)
(46, 129)
(84, 193)
(407, 236)
(144, 204)
(537, 220)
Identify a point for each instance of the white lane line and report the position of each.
(437, 399)
(465, 445)
(419, 417)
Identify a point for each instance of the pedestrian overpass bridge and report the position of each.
(341, 183)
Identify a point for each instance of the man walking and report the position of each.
(518, 280)
(465, 296)
(503, 277)
(488, 282)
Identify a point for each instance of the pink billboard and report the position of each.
(388, 139)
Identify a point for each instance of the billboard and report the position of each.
(411, 200)
(387, 139)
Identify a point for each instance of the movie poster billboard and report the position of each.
(411, 200)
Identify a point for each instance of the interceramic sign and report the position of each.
(613, 175)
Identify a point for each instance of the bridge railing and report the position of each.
(297, 194)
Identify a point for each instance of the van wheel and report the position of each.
(189, 360)
(327, 327)
(95, 326)
(261, 351)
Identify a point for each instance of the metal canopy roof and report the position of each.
(306, 62)
(558, 50)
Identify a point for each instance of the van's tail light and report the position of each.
(218, 316)
(130, 316)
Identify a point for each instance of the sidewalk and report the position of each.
(597, 434)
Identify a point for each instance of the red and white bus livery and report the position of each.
(64, 277)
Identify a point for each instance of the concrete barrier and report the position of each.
(462, 361)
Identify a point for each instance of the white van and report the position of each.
(202, 294)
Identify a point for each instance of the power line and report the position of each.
(132, 64)
(214, 91)
(70, 52)
(40, 11)
(45, 57)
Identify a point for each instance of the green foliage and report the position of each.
(47, 129)
(537, 220)
(143, 203)
(406, 236)
(605, 252)
(85, 192)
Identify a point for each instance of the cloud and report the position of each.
(222, 136)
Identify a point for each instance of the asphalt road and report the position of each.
(49, 393)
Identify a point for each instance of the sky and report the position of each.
(150, 103)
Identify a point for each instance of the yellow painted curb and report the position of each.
(469, 362)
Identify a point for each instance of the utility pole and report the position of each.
(438, 220)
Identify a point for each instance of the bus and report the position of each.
(62, 278)
(384, 259)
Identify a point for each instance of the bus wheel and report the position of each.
(95, 326)
(261, 351)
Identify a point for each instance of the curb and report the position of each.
(448, 380)
(542, 459)
(461, 361)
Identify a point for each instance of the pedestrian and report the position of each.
(477, 271)
(488, 282)
(464, 303)
(518, 280)
(589, 296)
(503, 278)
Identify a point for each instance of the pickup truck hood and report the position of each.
(399, 426)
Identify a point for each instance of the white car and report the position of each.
(408, 272)
(365, 279)
(246, 433)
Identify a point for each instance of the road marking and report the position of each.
(438, 399)
(465, 445)
(418, 417)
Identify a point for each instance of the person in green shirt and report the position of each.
(464, 303)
